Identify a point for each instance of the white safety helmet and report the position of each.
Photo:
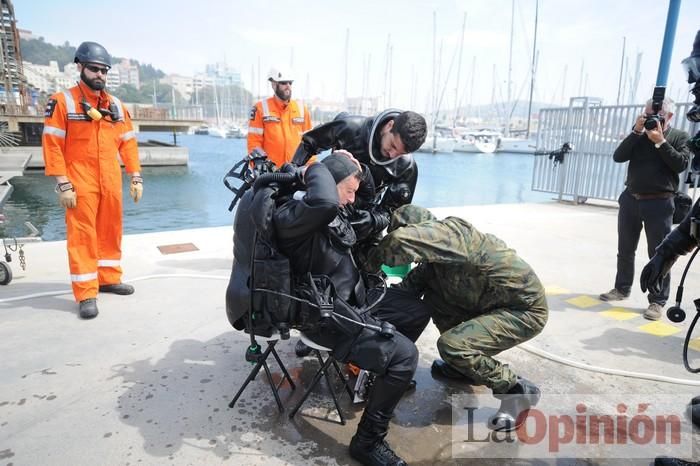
(277, 75)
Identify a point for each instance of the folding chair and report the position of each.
(323, 371)
(254, 354)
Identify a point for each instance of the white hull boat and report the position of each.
(517, 145)
(484, 142)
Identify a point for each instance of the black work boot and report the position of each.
(666, 461)
(368, 445)
(441, 369)
(302, 350)
(514, 406)
(695, 411)
(117, 288)
(88, 308)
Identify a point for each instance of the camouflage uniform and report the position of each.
(483, 298)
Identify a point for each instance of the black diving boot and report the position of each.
(515, 404)
(368, 445)
(695, 411)
(666, 461)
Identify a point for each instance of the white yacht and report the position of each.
(481, 141)
(517, 145)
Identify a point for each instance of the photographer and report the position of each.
(657, 154)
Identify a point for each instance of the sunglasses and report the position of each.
(97, 69)
(285, 83)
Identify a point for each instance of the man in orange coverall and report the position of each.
(277, 123)
(85, 131)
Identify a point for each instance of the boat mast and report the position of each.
(563, 84)
(471, 89)
(622, 67)
(345, 77)
(510, 64)
(413, 86)
(391, 71)
(459, 69)
(387, 59)
(635, 83)
(532, 72)
(580, 79)
(433, 91)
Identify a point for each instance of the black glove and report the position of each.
(381, 219)
(367, 222)
(653, 274)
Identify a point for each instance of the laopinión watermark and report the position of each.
(576, 426)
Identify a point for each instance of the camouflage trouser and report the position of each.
(470, 345)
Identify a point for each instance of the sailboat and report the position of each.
(439, 139)
(483, 141)
(519, 145)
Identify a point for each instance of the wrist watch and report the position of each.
(63, 187)
(659, 144)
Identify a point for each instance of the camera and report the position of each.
(694, 112)
(691, 65)
(652, 121)
(657, 101)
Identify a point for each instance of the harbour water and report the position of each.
(194, 196)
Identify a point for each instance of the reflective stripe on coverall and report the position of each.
(88, 152)
(277, 128)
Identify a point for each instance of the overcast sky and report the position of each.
(182, 36)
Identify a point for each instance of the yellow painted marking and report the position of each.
(583, 301)
(660, 329)
(694, 344)
(555, 290)
(620, 313)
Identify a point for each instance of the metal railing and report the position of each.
(595, 131)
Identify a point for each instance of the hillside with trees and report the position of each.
(39, 52)
(227, 101)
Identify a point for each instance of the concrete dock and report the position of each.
(148, 381)
(150, 155)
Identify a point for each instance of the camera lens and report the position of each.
(651, 122)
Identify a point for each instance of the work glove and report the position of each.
(136, 188)
(66, 195)
(654, 272)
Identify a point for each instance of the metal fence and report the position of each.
(588, 172)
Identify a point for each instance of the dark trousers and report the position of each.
(393, 360)
(404, 310)
(656, 215)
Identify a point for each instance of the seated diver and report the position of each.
(312, 230)
(482, 297)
